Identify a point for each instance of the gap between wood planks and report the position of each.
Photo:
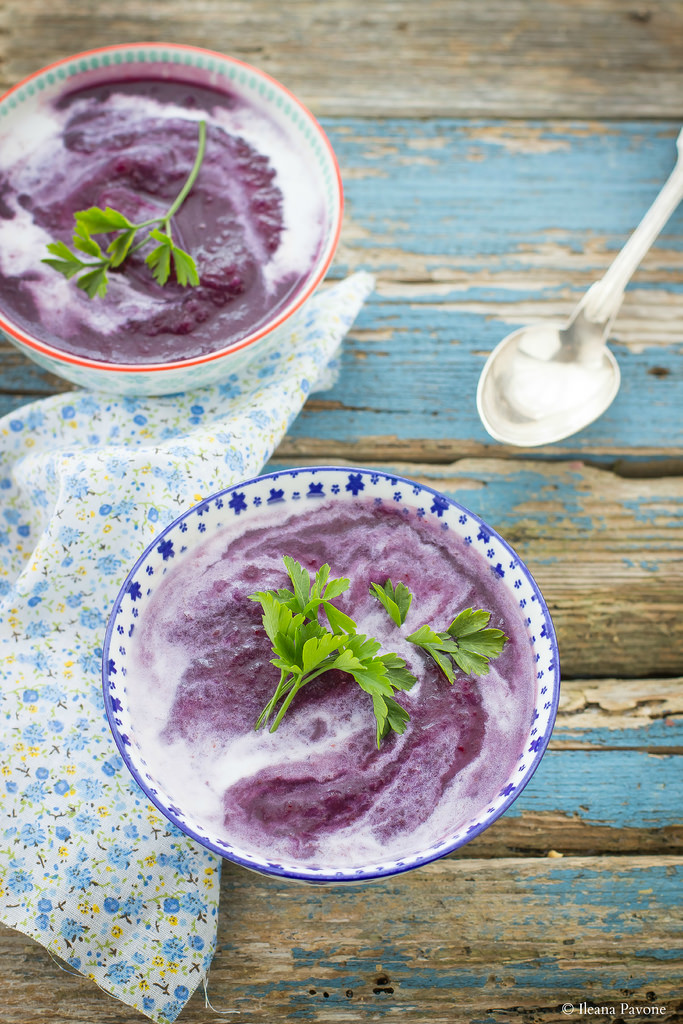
(628, 463)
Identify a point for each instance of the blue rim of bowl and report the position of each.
(360, 875)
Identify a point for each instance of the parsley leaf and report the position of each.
(84, 243)
(96, 221)
(467, 642)
(184, 266)
(396, 599)
(94, 282)
(308, 599)
(159, 259)
(67, 262)
(119, 247)
(378, 675)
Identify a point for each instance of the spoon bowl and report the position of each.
(530, 393)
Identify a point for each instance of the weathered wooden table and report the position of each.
(495, 155)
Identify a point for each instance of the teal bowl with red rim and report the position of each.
(263, 216)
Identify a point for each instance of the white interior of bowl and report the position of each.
(251, 504)
(30, 98)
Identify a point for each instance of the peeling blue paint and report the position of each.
(548, 974)
(470, 193)
(616, 788)
(656, 511)
(659, 954)
(662, 732)
(329, 957)
(521, 493)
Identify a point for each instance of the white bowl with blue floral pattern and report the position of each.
(250, 504)
(222, 74)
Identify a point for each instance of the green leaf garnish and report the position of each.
(308, 599)
(159, 260)
(119, 247)
(94, 282)
(84, 243)
(304, 648)
(184, 266)
(96, 221)
(467, 642)
(67, 262)
(396, 599)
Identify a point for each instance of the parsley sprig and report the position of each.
(93, 272)
(304, 649)
(467, 643)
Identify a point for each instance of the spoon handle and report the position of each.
(601, 302)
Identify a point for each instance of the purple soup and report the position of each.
(253, 221)
(317, 791)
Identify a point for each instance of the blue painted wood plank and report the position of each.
(622, 789)
(492, 939)
(499, 189)
(659, 733)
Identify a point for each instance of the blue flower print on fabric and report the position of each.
(87, 481)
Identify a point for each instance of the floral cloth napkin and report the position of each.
(87, 866)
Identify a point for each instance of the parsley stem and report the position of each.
(165, 220)
(288, 700)
(193, 173)
(290, 688)
(281, 689)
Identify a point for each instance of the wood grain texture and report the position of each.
(454, 941)
(618, 713)
(510, 58)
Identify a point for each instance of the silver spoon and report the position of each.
(545, 382)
